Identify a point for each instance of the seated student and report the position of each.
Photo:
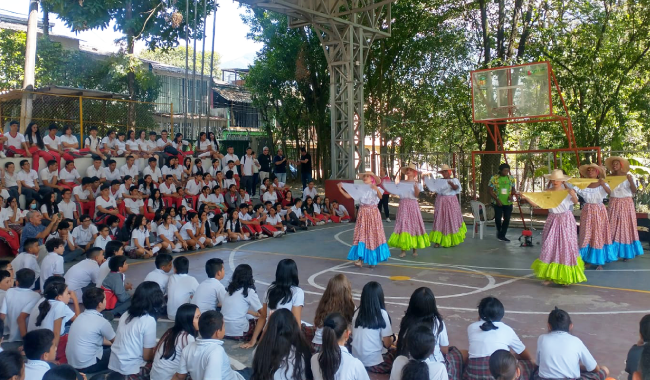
(169, 349)
(181, 286)
(103, 238)
(134, 205)
(172, 168)
(232, 197)
(18, 299)
(62, 372)
(291, 355)
(53, 313)
(52, 264)
(287, 201)
(273, 225)
(169, 193)
(309, 191)
(85, 196)
(112, 172)
(189, 233)
(334, 360)
(252, 226)
(67, 207)
(114, 282)
(230, 179)
(71, 251)
(284, 293)
(504, 366)
(84, 274)
(418, 364)
(113, 248)
(204, 200)
(85, 234)
(217, 198)
(113, 223)
(372, 331)
(161, 274)
(12, 365)
(243, 312)
(40, 350)
(154, 204)
(169, 236)
(245, 198)
(338, 213)
(193, 189)
(270, 195)
(153, 170)
(561, 355)
(488, 335)
(106, 207)
(318, 210)
(147, 187)
(133, 348)
(296, 218)
(206, 355)
(6, 265)
(69, 176)
(140, 247)
(28, 259)
(633, 356)
(234, 228)
(90, 335)
(96, 169)
(210, 293)
(309, 211)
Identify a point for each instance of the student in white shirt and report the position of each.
(153, 170)
(181, 286)
(132, 145)
(163, 141)
(86, 350)
(204, 148)
(69, 176)
(243, 312)
(16, 301)
(113, 248)
(169, 349)
(211, 293)
(171, 239)
(40, 349)
(52, 264)
(418, 364)
(109, 143)
(84, 274)
(85, 234)
(160, 275)
(309, 191)
(324, 365)
(28, 179)
(172, 168)
(230, 156)
(120, 145)
(562, 355)
(134, 205)
(67, 207)
(189, 233)
(28, 258)
(103, 238)
(284, 293)
(49, 177)
(111, 172)
(96, 170)
(283, 352)
(136, 331)
(94, 143)
(70, 144)
(130, 168)
(140, 246)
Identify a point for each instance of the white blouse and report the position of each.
(592, 195)
(447, 190)
(622, 191)
(369, 197)
(566, 205)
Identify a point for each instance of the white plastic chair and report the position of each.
(479, 211)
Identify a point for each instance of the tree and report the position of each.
(176, 57)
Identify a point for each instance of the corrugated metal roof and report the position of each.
(62, 90)
(234, 94)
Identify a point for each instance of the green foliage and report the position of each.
(176, 57)
(12, 58)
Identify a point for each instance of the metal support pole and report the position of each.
(205, 25)
(30, 66)
(171, 121)
(196, 11)
(187, 52)
(81, 119)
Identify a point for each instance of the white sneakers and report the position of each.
(278, 233)
(388, 220)
(320, 223)
(2, 154)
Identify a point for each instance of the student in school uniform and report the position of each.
(273, 225)
(70, 144)
(71, 251)
(168, 352)
(133, 349)
(154, 204)
(84, 274)
(85, 234)
(111, 172)
(107, 206)
(372, 331)
(86, 350)
(103, 238)
(113, 248)
(338, 213)
(67, 207)
(114, 282)
(252, 226)
(193, 188)
(169, 235)
(418, 364)
(40, 350)
(291, 358)
(488, 335)
(12, 365)
(28, 259)
(243, 312)
(211, 293)
(284, 292)
(140, 247)
(180, 287)
(18, 299)
(561, 355)
(69, 176)
(634, 355)
(504, 366)
(153, 170)
(52, 264)
(161, 274)
(168, 191)
(84, 196)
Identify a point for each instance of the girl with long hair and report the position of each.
(234, 227)
(337, 298)
(448, 226)
(154, 204)
(49, 206)
(167, 356)
(417, 364)
(326, 209)
(178, 144)
(204, 147)
(34, 141)
(132, 146)
(13, 215)
(140, 247)
(334, 361)
(372, 330)
(283, 352)
(70, 144)
(148, 186)
(309, 213)
(273, 225)
(318, 210)
(220, 232)
(143, 145)
(188, 168)
(242, 310)
(133, 349)
(284, 292)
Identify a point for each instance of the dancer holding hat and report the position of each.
(594, 239)
(409, 232)
(448, 226)
(560, 260)
(369, 244)
(622, 215)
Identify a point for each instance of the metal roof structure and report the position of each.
(62, 90)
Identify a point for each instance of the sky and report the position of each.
(230, 37)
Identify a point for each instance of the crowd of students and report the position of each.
(345, 341)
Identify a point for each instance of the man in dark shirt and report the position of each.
(280, 162)
(305, 167)
(265, 164)
(634, 355)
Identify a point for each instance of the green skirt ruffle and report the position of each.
(449, 240)
(559, 273)
(406, 241)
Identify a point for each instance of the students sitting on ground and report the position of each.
(161, 274)
(18, 299)
(168, 352)
(85, 234)
(133, 348)
(140, 248)
(118, 300)
(338, 213)
(504, 366)
(71, 251)
(296, 218)
(12, 365)
(169, 235)
(85, 273)
(91, 335)
(234, 228)
(28, 259)
(181, 286)
(104, 236)
(418, 364)
(113, 248)
(211, 293)
(243, 312)
(252, 226)
(273, 225)
(284, 293)
(40, 350)
(62, 372)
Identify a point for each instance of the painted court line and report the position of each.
(410, 279)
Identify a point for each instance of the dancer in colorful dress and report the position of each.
(448, 226)
(594, 239)
(369, 245)
(409, 230)
(622, 215)
(560, 260)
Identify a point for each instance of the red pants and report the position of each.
(121, 207)
(88, 208)
(73, 154)
(321, 217)
(12, 239)
(60, 349)
(268, 229)
(173, 201)
(149, 216)
(69, 185)
(338, 219)
(253, 228)
(36, 155)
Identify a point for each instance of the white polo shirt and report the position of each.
(247, 162)
(194, 187)
(120, 146)
(36, 369)
(47, 175)
(161, 143)
(99, 173)
(69, 140)
(100, 201)
(298, 213)
(483, 343)
(133, 145)
(133, 171)
(229, 157)
(11, 180)
(57, 310)
(297, 299)
(26, 260)
(104, 270)
(108, 143)
(140, 234)
(235, 308)
(16, 142)
(83, 236)
(309, 193)
(67, 209)
(273, 220)
(209, 294)
(92, 142)
(187, 226)
(69, 176)
(437, 371)
(367, 344)
(155, 174)
(559, 355)
(180, 289)
(207, 356)
(177, 173)
(350, 367)
(205, 145)
(85, 339)
(51, 143)
(81, 275)
(160, 277)
(164, 369)
(82, 194)
(16, 301)
(30, 178)
(167, 190)
(101, 242)
(131, 338)
(112, 175)
(270, 197)
(167, 232)
(134, 205)
(51, 265)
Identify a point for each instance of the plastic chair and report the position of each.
(479, 211)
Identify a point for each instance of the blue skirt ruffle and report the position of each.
(369, 257)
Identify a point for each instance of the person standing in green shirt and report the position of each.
(501, 189)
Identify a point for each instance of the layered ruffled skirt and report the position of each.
(448, 226)
(594, 240)
(369, 243)
(622, 224)
(409, 232)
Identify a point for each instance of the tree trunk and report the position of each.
(486, 37)
(130, 76)
(46, 20)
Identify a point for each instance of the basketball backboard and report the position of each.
(512, 92)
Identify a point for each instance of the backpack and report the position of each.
(111, 299)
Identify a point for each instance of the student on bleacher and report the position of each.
(17, 299)
(284, 292)
(372, 331)
(154, 204)
(49, 206)
(49, 177)
(161, 274)
(283, 352)
(193, 188)
(12, 365)
(169, 193)
(417, 364)
(133, 349)
(10, 180)
(36, 146)
(13, 216)
(562, 355)
(334, 362)
(84, 274)
(134, 204)
(109, 143)
(488, 335)
(14, 142)
(154, 171)
(69, 176)
(633, 356)
(113, 248)
(29, 182)
(130, 168)
(91, 335)
(210, 294)
(180, 287)
(10, 235)
(85, 234)
(120, 145)
(94, 144)
(67, 207)
(106, 206)
(71, 251)
(198, 167)
(40, 350)
(232, 197)
(242, 310)
(168, 352)
(70, 144)
(96, 169)
(85, 196)
(111, 172)
(114, 281)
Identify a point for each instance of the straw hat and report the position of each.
(408, 167)
(583, 170)
(374, 176)
(444, 167)
(556, 175)
(625, 164)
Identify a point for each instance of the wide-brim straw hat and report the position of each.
(444, 167)
(374, 176)
(557, 175)
(408, 167)
(583, 170)
(625, 164)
